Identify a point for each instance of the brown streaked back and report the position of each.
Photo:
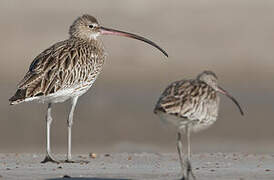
(181, 98)
(64, 64)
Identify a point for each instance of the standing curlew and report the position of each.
(67, 70)
(191, 105)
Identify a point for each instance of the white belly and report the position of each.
(64, 94)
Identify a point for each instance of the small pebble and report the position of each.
(92, 155)
(129, 158)
(84, 162)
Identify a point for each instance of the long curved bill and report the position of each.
(107, 31)
(221, 90)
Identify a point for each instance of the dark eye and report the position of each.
(91, 26)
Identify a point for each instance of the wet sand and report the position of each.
(221, 166)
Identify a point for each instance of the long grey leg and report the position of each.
(180, 152)
(49, 157)
(188, 164)
(70, 122)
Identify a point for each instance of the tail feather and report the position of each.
(19, 96)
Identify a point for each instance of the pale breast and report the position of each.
(206, 114)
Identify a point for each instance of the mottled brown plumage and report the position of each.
(67, 70)
(67, 64)
(191, 105)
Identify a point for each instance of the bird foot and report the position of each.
(75, 161)
(48, 158)
(189, 171)
(188, 178)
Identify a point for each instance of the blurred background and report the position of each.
(234, 38)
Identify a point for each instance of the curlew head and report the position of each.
(87, 27)
(211, 79)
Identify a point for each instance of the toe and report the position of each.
(49, 159)
(72, 161)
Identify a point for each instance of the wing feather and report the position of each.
(181, 98)
(57, 68)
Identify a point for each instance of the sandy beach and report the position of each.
(207, 166)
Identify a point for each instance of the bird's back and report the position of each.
(188, 101)
(61, 70)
